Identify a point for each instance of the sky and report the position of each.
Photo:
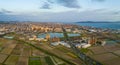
(59, 10)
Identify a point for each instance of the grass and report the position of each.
(71, 55)
(49, 61)
(63, 49)
(34, 61)
(0, 43)
(84, 50)
(1, 48)
(62, 64)
(56, 59)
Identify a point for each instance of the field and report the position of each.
(36, 52)
(17, 53)
(58, 61)
(22, 61)
(17, 50)
(60, 51)
(63, 49)
(26, 51)
(35, 61)
(3, 57)
(98, 50)
(71, 55)
(115, 61)
(49, 61)
(62, 64)
(108, 54)
(117, 52)
(7, 51)
(12, 60)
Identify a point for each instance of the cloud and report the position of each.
(117, 12)
(45, 6)
(69, 16)
(99, 10)
(1, 12)
(66, 3)
(98, 0)
(5, 11)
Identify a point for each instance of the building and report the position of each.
(55, 39)
(47, 36)
(92, 40)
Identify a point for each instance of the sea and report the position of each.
(105, 25)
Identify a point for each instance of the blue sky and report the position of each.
(60, 10)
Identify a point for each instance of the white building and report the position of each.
(55, 43)
(86, 46)
(61, 43)
(83, 45)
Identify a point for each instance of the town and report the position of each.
(27, 43)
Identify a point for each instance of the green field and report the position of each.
(62, 64)
(63, 49)
(49, 61)
(84, 50)
(35, 61)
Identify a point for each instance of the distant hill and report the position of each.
(98, 22)
(5, 22)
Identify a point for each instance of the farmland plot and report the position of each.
(22, 61)
(19, 46)
(1, 48)
(43, 61)
(12, 45)
(26, 52)
(49, 61)
(58, 61)
(36, 52)
(104, 57)
(7, 50)
(12, 60)
(18, 49)
(3, 57)
(16, 52)
(35, 61)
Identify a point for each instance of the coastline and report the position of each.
(102, 25)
